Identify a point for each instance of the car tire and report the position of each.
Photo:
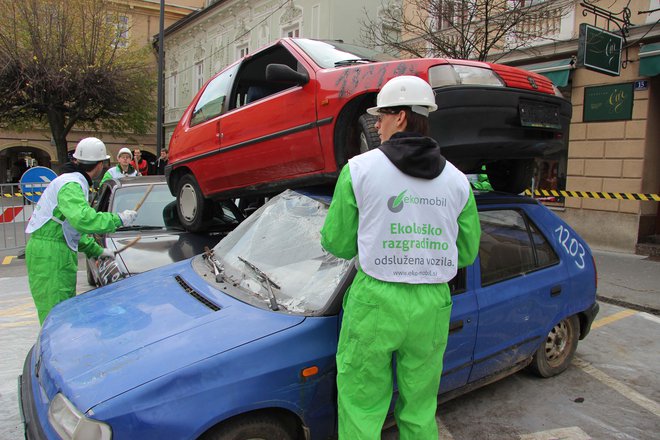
(192, 207)
(558, 349)
(90, 276)
(369, 138)
(258, 427)
(511, 176)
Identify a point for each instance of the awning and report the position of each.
(649, 60)
(556, 71)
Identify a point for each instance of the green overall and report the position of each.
(382, 319)
(51, 265)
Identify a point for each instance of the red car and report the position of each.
(293, 113)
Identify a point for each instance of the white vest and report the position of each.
(117, 173)
(47, 203)
(407, 225)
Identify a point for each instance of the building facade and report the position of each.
(138, 21)
(614, 144)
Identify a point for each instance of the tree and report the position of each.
(464, 29)
(67, 63)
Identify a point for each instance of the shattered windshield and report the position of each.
(283, 240)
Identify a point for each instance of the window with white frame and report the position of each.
(121, 26)
(292, 31)
(199, 75)
(242, 51)
(174, 86)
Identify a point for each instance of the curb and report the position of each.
(629, 305)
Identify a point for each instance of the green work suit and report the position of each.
(51, 265)
(382, 319)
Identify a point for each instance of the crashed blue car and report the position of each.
(239, 343)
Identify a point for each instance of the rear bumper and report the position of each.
(27, 404)
(587, 318)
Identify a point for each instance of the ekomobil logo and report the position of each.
(396, 203)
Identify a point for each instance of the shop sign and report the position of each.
(608, 103)
(599, 50)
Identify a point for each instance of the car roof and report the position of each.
(140, 181)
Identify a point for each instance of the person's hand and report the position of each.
(107, 253)
(127, 217)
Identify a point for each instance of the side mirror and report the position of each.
(282, 73)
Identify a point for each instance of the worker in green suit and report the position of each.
(411, 218)
(59, 226)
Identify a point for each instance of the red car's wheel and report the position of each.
(192, 207)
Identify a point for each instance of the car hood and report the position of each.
(115, 338)
(156, 249)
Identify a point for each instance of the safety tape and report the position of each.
(594, 195)
(29, 194)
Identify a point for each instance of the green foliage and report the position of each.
(68, 63)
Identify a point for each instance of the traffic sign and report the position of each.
(34, 181)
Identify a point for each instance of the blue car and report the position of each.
(239, 342)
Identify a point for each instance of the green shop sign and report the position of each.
(608, 103)
(599, 50)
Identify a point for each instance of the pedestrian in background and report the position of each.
(59, 228)
(161, 162)
(393, 307)
(138, 163)
(123, 169)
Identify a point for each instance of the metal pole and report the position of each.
(161, 85)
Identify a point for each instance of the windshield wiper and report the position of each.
(138, 227)
(218, 270)
(352, 61)
(269, 283)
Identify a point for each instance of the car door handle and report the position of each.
(555, 291)
(455, 326)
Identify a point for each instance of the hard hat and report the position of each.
(125, 150)
(90, 150)
(406, 90)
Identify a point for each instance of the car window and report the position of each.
(328, 54)
(510, 246)
(212, 101)
(159, 208)
(457, 284)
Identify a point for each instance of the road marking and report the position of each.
(7, 260)
(19, 324)
(22, 308)
(650, 317)
(572, 433)
(623, 389)
(612, 318)
(443, 431)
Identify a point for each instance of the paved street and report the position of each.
(612, 390)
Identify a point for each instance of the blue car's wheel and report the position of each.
(256, 427)
(556, 352)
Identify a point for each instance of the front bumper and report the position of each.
(587, 318)
(27, 404)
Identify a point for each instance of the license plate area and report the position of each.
(539, 115)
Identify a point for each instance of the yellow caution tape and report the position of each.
(594, 195)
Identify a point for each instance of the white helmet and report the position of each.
(125, 150)
(406, 90)
(90, 150)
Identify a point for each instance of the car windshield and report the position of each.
(283, 240)
(158, 209)
(333, 53)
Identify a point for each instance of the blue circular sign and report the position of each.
(34, 181)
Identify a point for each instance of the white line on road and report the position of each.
(572, 433)
(618, 386)
(650, 317)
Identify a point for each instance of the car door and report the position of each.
(462, 332)
(271, 128)
(521, 283)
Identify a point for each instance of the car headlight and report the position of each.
(455, 74)
(71, 424)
